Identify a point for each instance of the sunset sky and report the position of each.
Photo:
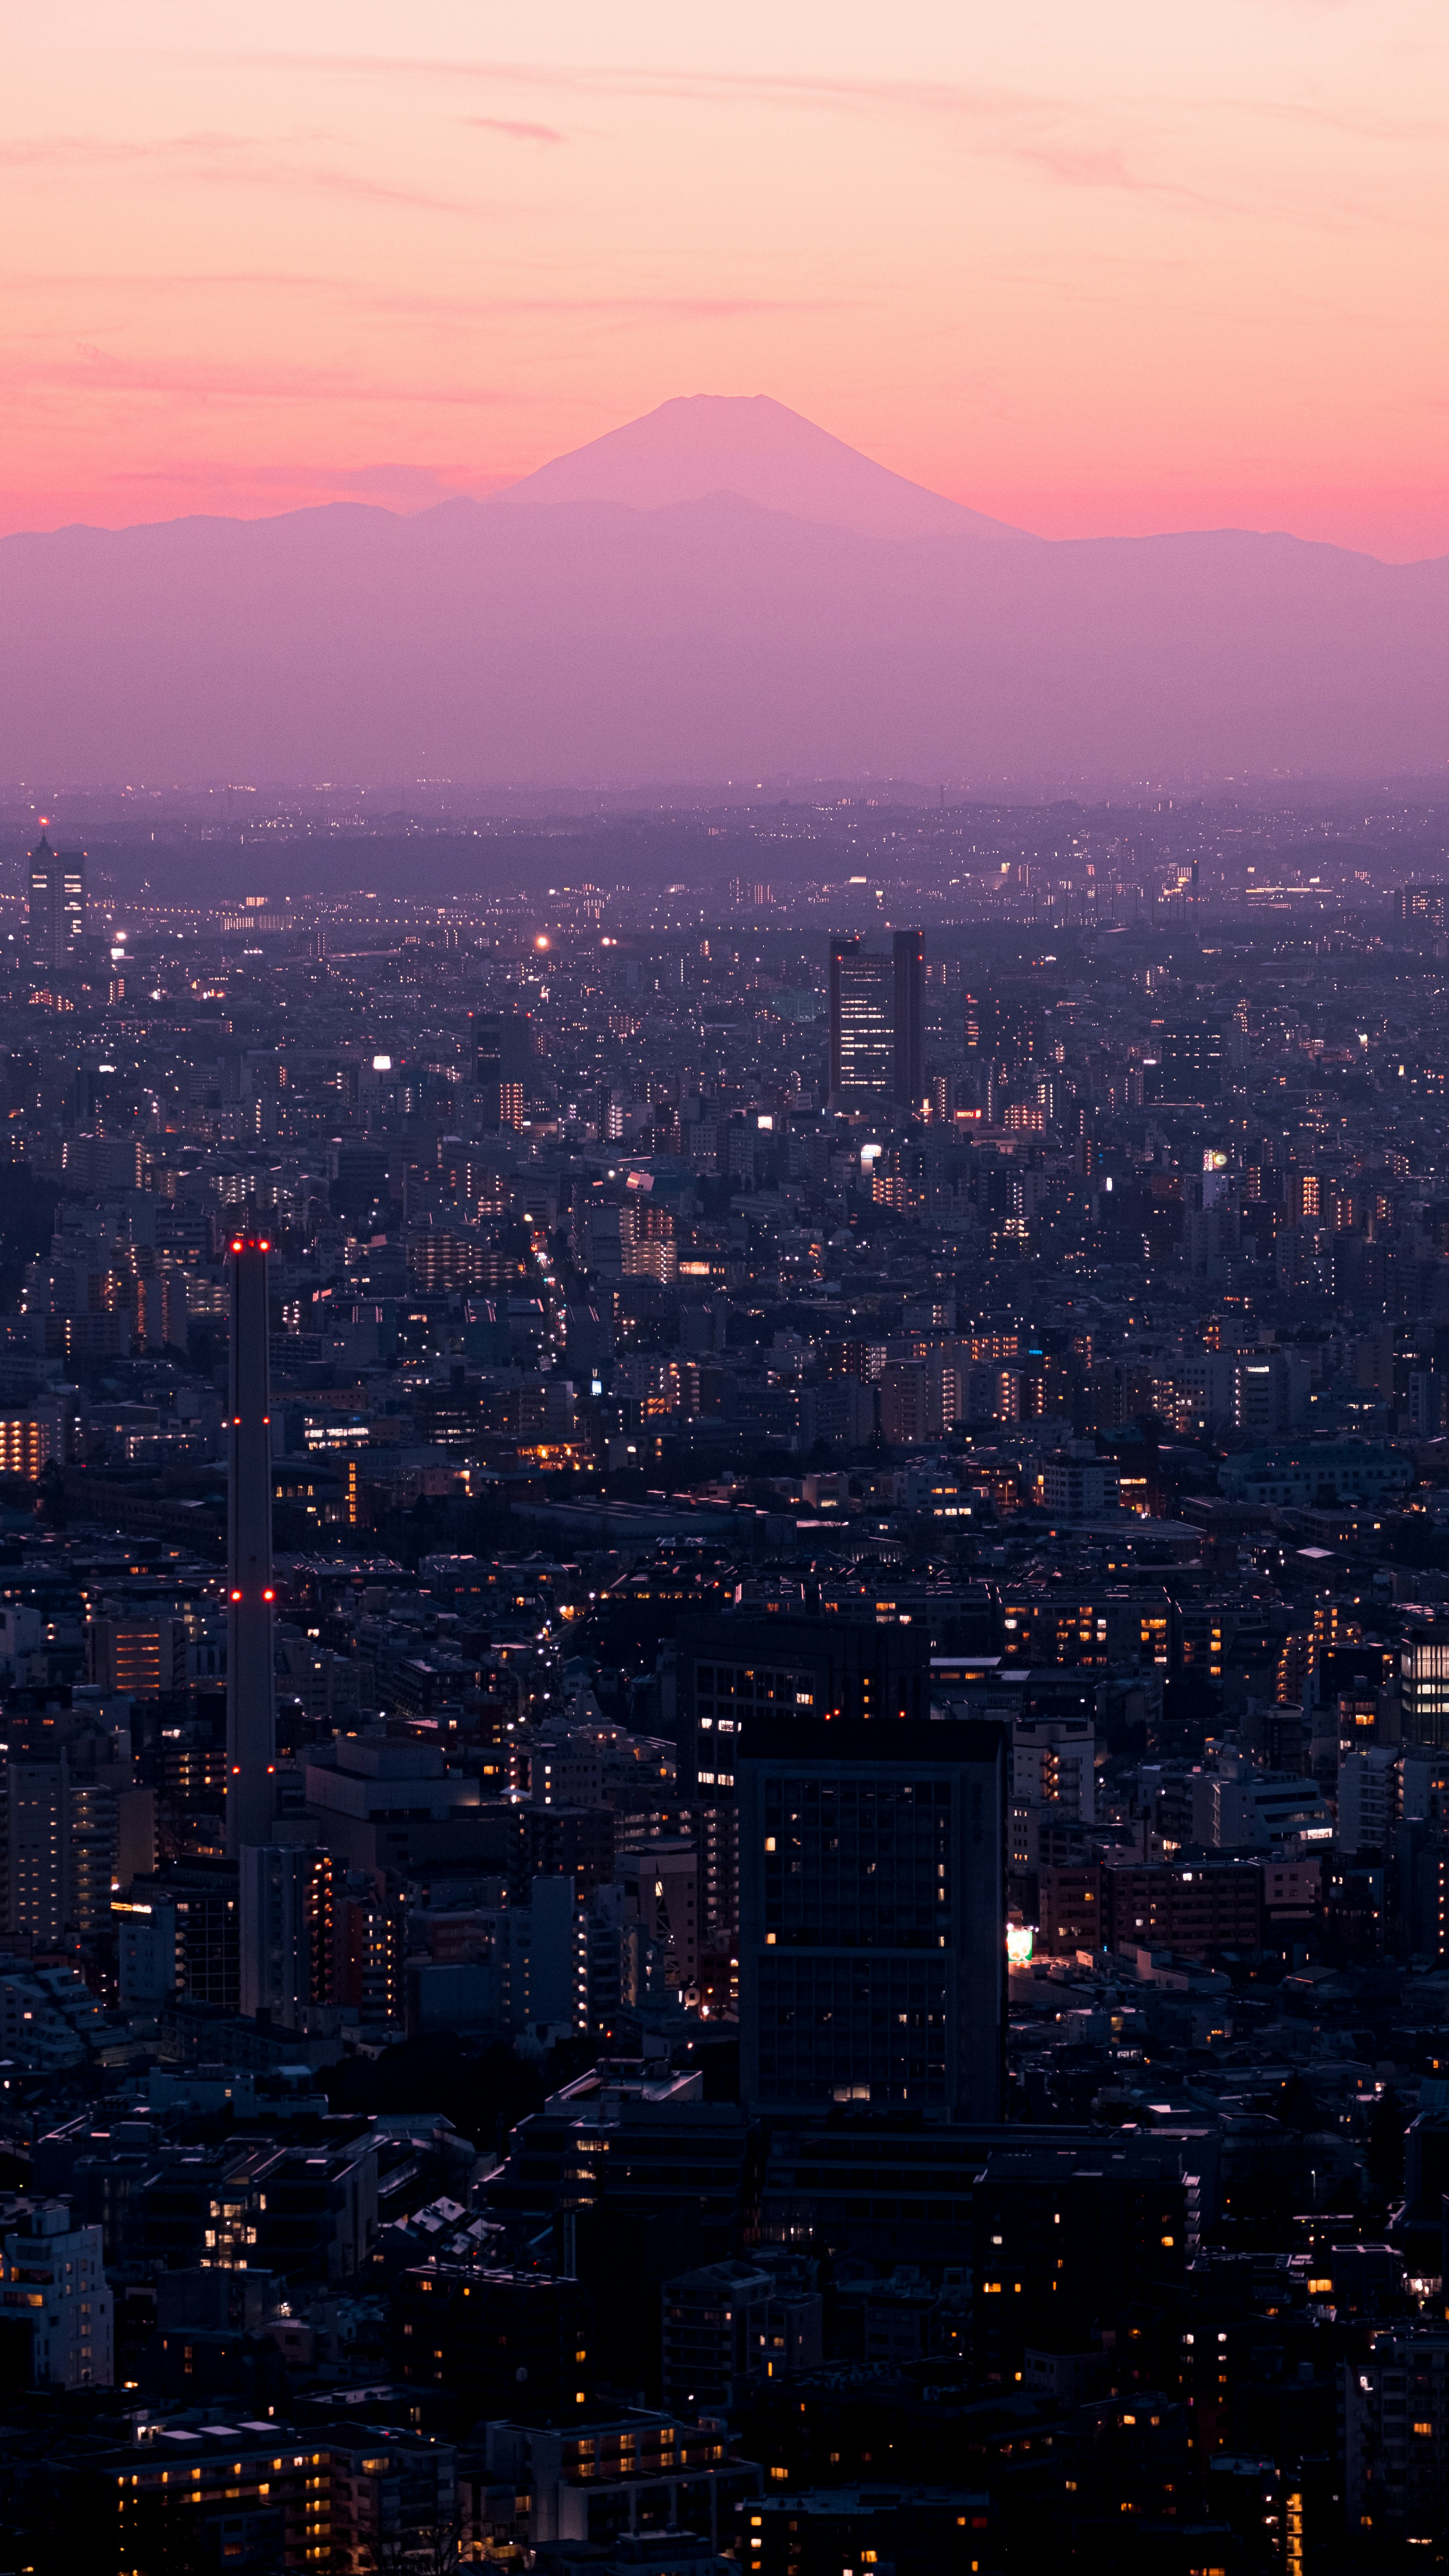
(1091, 265)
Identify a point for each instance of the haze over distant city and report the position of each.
(718, 591)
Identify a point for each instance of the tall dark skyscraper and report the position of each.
(877, 1023)
(287, 1898)
(908, 956)
(250, 1682)
(57, 906)
(502, 1058)
(862, 1025)
(733, 1669)
(872, 1944)
(1190, 1058)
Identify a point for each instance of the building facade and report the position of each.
(57, 907)
(872, 1915)
(55, 2276)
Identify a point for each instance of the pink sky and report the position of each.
(1090, 265)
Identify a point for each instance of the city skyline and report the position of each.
(723, 1683)
(724, 1291)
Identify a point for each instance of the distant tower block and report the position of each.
(251, 1742)
(909, 1018)
(862, 1025)
(57, 906)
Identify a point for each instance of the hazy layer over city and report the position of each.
(718, 588)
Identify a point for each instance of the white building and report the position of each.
(1077, 1485)
(54, 2275)
(1053, 1780)
(1236, 1815)
(1368, 1798)
(1054, 1764)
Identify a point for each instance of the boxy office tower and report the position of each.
(877, 1023)
(908, 971)
(872, 1948)
(251, 1740)
(57, 906)
(732, 1666)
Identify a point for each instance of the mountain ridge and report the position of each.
(590, 640)
(760, 449)
(464, 504)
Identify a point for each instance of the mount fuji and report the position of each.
(718, 590)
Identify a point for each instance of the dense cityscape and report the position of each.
(724, 1682)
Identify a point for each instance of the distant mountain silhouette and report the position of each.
(644, 632)
(700, 444)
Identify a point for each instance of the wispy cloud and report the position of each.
(87, 368)
(1364, 124)
(1076, 146)
(1126, 146)
(681, 308)
(223, 160)
(1154, 151)
(514, 130)
(360, 295)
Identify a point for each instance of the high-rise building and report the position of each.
(177, 1930)
(1368, 1796)
(731, 1668)
(862, 1025)
(908, 959)
(727, 2324)
(288, 1965)
(502, 1057)
(877, 1023)
(55, 2277)
(147, 1967)
(1395, 2435)
(1425, 906)
(1424, 1689)
(144, 1657)
(371, 1938)
(250, 1683)
(1061, 2230)
(872, 1941)
(1187, 1063)
(72, 1827)
(57, 906)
